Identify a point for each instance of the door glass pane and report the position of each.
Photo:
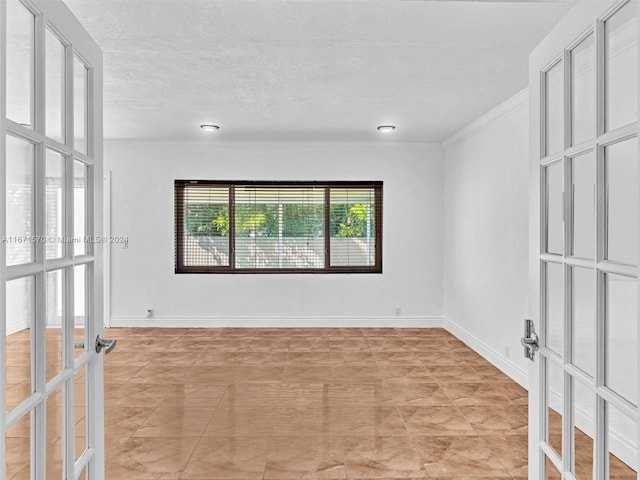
(554, 108)
(54, 194)
(80, 307)
(257, 229)
(279, 228)
(555, 405)
(55, 316)
(20, 61)
(554, 312)
(584, 414)
(583, 308)
(553, 175)
(80, 424)
(54, 84)
(79, 207)
(20, 201)
(20, 317)
(552, 472)
(622, 442)
(19, 449)
(621, 69)
(352, 223)
(54, 435)
(80, 77)
(621, 336)
(621, 173)
(583, 91)
(205, 240)
(583, 198)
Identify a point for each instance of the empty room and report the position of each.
(319, 239)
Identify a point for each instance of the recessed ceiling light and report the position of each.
(210, 128)
(386, 128)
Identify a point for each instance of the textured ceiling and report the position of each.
(309, 69)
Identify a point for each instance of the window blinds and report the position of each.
(249, 227)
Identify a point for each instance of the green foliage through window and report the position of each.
(348, 221)
(207, 219)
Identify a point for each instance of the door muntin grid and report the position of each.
(574, 331)
(53, 306)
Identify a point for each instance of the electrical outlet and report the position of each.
(506, 351)
(398, 311)
(150, 312)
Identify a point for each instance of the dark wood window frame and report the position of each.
(179, 209)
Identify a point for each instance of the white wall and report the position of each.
(142, 209)
(486, 233)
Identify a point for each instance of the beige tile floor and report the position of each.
(296, 403)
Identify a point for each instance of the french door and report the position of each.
(51, 377)
(584, 169)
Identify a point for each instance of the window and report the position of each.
(278, 227)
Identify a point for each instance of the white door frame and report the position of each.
(555, 47)
(55, 15)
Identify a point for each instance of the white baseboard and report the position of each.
(622, 448)
(15, 327)
(507, 367)
(619, 444)
(278, 322)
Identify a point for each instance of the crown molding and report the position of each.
(510, 106)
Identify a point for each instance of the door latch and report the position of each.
(530, 339)
(108, 345)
